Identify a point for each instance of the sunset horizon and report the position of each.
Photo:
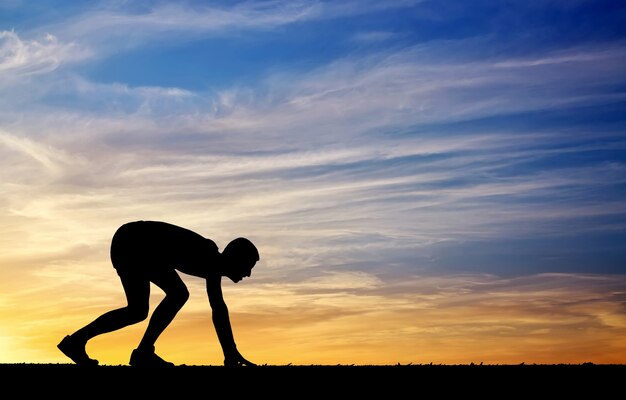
(426, 181)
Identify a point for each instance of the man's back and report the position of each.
(162, 244)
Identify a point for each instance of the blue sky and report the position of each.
(366, 140)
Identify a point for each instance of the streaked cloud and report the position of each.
(279, 143)
(22, 58)
(122, 26)
(374, 36)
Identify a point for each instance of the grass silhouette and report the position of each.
(313, 381)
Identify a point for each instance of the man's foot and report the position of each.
(147, 358)
(76, 351)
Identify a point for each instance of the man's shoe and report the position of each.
(147, 358)
(76, 352)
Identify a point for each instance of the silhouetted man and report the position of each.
(153, 251)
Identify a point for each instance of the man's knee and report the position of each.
(137, 313)
(180, 296)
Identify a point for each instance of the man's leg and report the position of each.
(176, 295)
(137, 291)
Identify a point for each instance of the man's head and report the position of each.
(240, 256)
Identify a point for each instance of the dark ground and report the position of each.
(304, 381)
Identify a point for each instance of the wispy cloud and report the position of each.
(118, 27)
(331, 153)
(373, 36)
(352, 97)
(22, 58)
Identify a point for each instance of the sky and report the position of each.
(426, 181)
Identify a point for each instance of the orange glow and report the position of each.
(450, 325)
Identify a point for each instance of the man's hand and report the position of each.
(237, 360)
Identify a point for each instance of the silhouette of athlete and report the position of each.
(153, 251)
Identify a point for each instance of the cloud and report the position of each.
(116, 28)
(333, 9)
(395, 91)
(52, 161)
(351, 165)
(374, 36)
(22, 58)
(356, 158)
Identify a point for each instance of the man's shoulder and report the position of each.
(211, 245)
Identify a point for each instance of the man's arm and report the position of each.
(221, 321)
